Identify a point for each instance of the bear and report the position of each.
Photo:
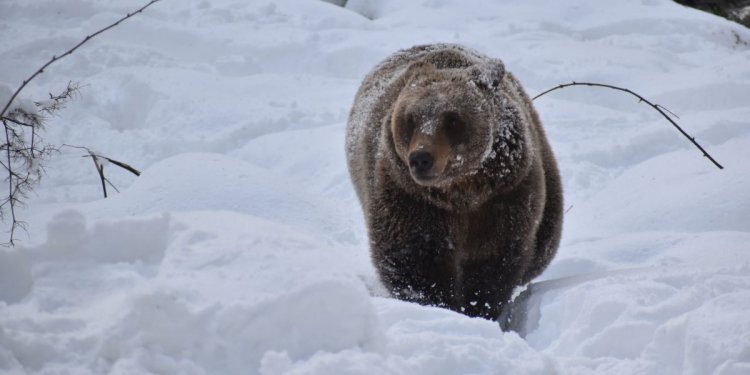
(459, 187)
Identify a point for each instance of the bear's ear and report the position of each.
(418, 69)
(488, 74)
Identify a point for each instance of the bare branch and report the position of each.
(122, 165)
(100, 167)
(21, 123)
(100, 170)
(23, 151)
(666, 109)
(68, 52)
(113, 161)
(112, 185)
(58, 102)
(657, 107)
(12, 190)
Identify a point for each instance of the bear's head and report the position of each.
(450, 124)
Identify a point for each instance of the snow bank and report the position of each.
(241, 248)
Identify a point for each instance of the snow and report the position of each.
(241, 249)
(19, 104)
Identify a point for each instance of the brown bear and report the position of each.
(459, 187)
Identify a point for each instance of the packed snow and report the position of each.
(241, 249)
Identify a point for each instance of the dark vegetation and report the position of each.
(735, 10)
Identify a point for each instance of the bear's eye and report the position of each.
(408, 124)
(454, 127)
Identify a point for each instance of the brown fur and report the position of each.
(485, 215)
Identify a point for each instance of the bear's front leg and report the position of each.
(487, 285)
(411, 249)
(418, 269)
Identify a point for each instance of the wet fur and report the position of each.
(489, 223)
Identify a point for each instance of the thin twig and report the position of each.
(21, 123)
(100, 167)
(118, 163)
(112, 185)
(33, 142)
(57, 102)
(657, 107)
(11, 190)
(122, 165)
(100, 170)
(667, 109)
(68, 52)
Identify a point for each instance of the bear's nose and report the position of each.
(421, 161)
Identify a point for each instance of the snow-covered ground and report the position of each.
(241, 248)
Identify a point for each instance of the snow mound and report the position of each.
(162, 333)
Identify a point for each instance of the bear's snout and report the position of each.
(427, 157)
(420, 162)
